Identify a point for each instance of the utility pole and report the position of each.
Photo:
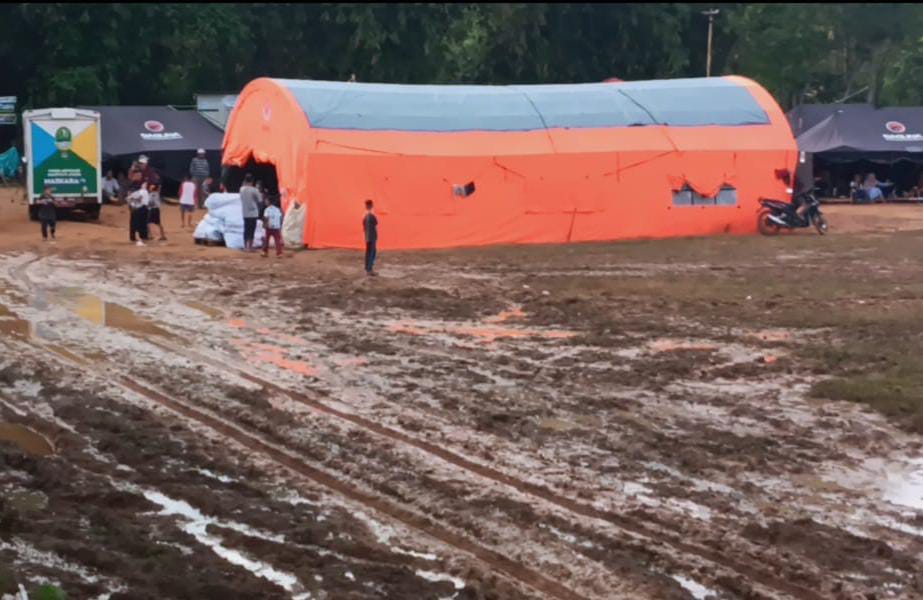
(711, 20)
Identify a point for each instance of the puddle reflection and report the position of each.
(96, 310)
(29, 441)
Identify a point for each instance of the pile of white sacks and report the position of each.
(225, 222)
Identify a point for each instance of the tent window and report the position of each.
(727, 197)
(699, 200)
(689, 197)
(682, 197)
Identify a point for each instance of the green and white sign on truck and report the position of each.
(63, 151)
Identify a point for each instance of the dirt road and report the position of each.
(669, 419)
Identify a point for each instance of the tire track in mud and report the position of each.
(753, 573)
(494, 560)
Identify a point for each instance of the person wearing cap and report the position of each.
(200, 171)
(148, 172)
(136, 174)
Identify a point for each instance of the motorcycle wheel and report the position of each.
(820, 223)
(766, 225)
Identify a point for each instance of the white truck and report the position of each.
(63, 151)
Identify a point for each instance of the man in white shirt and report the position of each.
(187, 198)
(137, 203)
(272, 221)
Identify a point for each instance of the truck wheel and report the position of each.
(93, 212)
(33, 213)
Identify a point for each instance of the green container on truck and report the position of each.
(63, 151)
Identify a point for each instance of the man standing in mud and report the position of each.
(370, 227)
(250, 201)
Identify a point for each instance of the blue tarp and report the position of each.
(9, 162)
(446, 108)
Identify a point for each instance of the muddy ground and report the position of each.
(733, 417)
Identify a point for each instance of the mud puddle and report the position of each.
(12, 325)
(484, 333)
(898, 483)
(29, 441)
(109, 314)
(904, 487)
(204, 308)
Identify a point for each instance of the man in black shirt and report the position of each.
(370, 227)
(46, 213)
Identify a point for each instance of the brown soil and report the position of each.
(651, 419)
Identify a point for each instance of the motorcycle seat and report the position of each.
(777, 204)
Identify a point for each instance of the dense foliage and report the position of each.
(67, 54)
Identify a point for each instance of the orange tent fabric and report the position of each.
(542, 164)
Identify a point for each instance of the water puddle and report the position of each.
(904, 487)
(27, 501)
(18, 328)
(673, 345)
(96, 310)
(196, 524)
(557, 425)
(434, 577)
(204, 308)
(29, 441)
(12, 325)
(698, 591)
(484, 333)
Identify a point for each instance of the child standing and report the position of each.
(187, 197)
(47, 213)
(272, 220)
(153, 211)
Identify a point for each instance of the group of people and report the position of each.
(144, 202)
(144, 199)
(254, 204)
(867, 189)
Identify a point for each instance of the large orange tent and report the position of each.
(474, 165)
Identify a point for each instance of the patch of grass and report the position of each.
(897, 393)
(48, 592)
(876, 364)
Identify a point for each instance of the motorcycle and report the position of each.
(777, 215)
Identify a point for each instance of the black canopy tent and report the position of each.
(805, 116)
(848, 139)
(168, 137)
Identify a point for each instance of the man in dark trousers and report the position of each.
(46, 213)
(370, 227)
(250, 200)
(200, 171)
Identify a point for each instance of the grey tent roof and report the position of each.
(445, 108)
(864, 130)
